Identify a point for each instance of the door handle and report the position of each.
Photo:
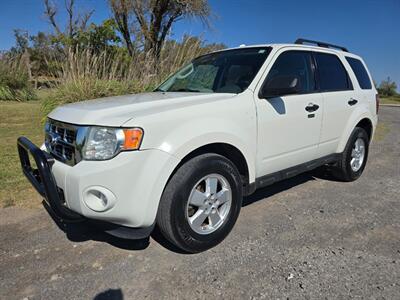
(312, 107)
(352, 102)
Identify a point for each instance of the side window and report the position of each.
(360, 72)
(297, 64)
(332, 74)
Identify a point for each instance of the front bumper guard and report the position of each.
(42, 178)
(43, 181)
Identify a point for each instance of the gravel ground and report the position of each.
(304, 238)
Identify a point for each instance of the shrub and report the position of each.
(387, 88)
(83, 89)
(88, 75)
(14, 81)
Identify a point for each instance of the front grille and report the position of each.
(60, 141)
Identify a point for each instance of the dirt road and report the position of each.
(307, 237)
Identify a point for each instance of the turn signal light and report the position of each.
(133, 138)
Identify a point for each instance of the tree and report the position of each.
(98, 38)
(21, 41)
(121, 10)
(21, 49)
(387, 88)
(76, 21)
(45, 51)
(152, 20)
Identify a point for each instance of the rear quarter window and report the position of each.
(360, 72)
(331, 73)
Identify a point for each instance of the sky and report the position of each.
(369, 28)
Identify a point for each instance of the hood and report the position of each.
(115, 111)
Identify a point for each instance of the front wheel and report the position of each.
(354, 157)
(200, 203)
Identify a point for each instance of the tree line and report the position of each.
(387, 88)
(137, 35)
(132, 48)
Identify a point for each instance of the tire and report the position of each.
(344, 170)
(176, 217)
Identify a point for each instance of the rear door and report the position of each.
(339, 99)
(366, 91)
(288, 133)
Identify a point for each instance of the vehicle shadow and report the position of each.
(276, 188)
(86, 230)
(278, 105)
(323, 173)
(110, 294)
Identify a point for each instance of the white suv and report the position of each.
(182, 157)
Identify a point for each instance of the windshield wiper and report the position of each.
(158, 90)
(186, 90)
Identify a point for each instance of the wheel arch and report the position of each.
(366, 124)
(364, 121)
(226, 150)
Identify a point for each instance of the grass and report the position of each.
(87, 75)
(14, 81)
(381, 131)
(16, 119)
(390, 100)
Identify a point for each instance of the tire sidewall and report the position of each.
(183, 231)
(357, 133)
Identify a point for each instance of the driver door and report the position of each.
(289, 125)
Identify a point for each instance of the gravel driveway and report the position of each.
(307, 237)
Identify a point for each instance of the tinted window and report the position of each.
(360, 72)
(332, 74)
(229, 71)
(294, 63)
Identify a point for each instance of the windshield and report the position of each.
(229, 71)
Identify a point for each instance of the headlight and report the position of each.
(104, 142)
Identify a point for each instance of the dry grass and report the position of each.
(85, 75)
(17, 119)
(390, 100)
(381, 131)
(14, 81)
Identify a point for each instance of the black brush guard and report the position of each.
(42, 178)
(43, 181)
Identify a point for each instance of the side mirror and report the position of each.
(280, 86)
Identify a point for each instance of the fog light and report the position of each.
(98, 198)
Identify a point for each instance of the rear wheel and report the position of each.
(355, 156)
(200, 203)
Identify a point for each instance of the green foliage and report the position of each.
(14, 82)
(21, 41)
(43, 53)
(98, 38)
(387, 88)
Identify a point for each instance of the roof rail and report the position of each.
(319, 44)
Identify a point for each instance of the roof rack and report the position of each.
(319, 44)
